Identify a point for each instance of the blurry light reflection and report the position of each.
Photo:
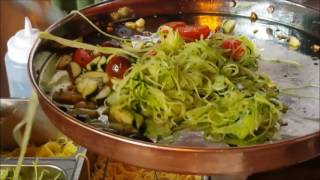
(212, 21)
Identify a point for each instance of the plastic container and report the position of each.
(16, 59)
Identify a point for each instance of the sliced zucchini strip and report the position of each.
(74, 70)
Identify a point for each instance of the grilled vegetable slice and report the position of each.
(58, 78)
(86, 104)
(67, 97)
(102, 95)
(90, 112)
(102, 62)
(139, 120)
(121, 115)
(93, 65)
(228, 26)
(87, 86)
(97, 64)
(96, 75)
(63, 62)
(123, 128)
(74, 70)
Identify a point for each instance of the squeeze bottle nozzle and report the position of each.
(20, 44)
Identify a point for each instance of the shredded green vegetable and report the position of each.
(28, 120)
(193, 85)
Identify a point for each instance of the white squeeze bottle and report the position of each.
(16, 61)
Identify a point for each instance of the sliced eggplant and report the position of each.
(87, 87)
(102, 95)
(123, 128)
(63, 62)
(84, 111)
(67, 97)
(74, 70)
(86, 104)
(121, 115)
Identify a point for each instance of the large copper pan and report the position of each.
(300, 140)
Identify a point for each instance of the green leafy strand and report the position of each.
(193, 85)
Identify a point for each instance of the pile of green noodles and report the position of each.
(193, 85)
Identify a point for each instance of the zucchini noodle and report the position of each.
(35, 166)
(57, 176)
(75, 44)
(97, 28)
(283, 61)
(299, 95)
(300, 87)
(291, 91)
(28, 119)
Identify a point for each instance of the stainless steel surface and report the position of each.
(70, 166)
(29, 170)
(299, 141)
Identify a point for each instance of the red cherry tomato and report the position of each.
(193, 32)
(234, 47)
(117, 66)
(82, 57)
(175, 24)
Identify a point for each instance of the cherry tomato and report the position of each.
(234, 47)
(175, 24)
(193, 32)
(82, 57)
(117, 66)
